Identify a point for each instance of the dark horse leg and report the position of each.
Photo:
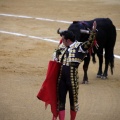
(85, 69)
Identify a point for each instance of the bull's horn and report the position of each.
(59, 31)
(84, 31)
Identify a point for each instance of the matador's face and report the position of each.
(65, 41)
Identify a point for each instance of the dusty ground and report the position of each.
(23, 60)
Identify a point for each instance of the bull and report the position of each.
(106, 39)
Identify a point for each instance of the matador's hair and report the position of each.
(68, 35)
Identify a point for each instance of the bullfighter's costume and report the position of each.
(70, 58)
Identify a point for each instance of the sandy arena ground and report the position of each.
(24, 60)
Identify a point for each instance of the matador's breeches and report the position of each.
(68, 81)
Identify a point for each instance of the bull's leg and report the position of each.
(100, 57)
(105, 74)
(85, 69)
(93, 58)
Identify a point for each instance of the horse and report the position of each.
(105, 38)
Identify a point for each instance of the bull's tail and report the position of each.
(112, 41)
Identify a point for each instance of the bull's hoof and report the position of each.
(99, 76)
(103, 77)
(84, 82)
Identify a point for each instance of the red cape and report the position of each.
(48, 91)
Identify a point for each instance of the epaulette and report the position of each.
(62, 46)
(77, 44)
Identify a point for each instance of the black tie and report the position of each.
(67, 52)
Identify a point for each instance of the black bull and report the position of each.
(106, 38)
